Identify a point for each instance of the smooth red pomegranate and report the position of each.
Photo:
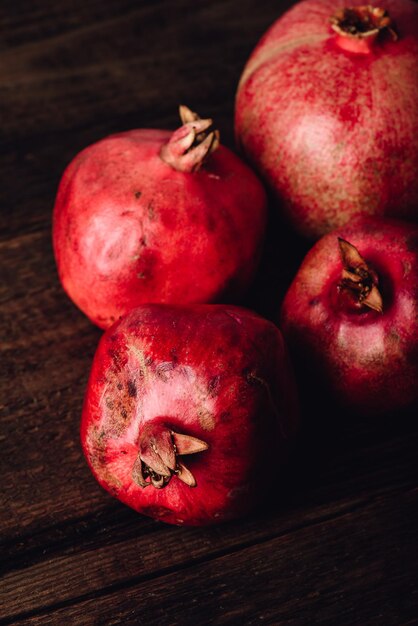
(154, 216)
(327, 111)
(189, 411)
(350, 315)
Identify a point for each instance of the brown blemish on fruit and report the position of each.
(206, 419)
(395, 337)
(98, 459)
(213, 386)
(114, 490)
(156, 511)
(132, 390)
(109, 403)
(251, 376)
(101, 435)
(118, 413)
(118, 402)
(163, 370)
(224, 417)
(407, 267)
(151, 210)
(116, 359)
(137, 194)
(253, 379)
(146, 262)
(143, 362)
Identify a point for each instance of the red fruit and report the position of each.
(327, 110)
(153, 216)
(350, 314)
(189, 411)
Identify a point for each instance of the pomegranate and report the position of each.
(153, 216)
(327, 111)
(350, 315)
(189, 411)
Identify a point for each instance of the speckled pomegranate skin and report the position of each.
(129, 229)
(218, 373)
(366, 360)
(333, 132)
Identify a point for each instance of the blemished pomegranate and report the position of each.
(155, 216)
(327, 111)
(350, 316)
(189, 411)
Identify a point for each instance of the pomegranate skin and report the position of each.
(333, 132)
(366, 360)
(128, 228)
(213, 372)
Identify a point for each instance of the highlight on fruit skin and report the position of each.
(327, 112)
(157, 216)
(190, 412)
(349, 317)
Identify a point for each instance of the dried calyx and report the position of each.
(191, 144)
(358, 278)
(158, 457)
(362, 22)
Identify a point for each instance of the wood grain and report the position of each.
(336, 544)
(331, 573)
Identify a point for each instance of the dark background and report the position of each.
(337, 545)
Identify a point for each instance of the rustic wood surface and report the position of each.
(337, 544)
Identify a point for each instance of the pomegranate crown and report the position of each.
(358, 278)
(191, 144)
(362, 22)
(158, 458)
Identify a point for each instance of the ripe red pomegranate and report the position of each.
(350, 315)
(189, 411)
(154, 216)
(327, 111)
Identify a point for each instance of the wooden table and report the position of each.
(337, 544)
